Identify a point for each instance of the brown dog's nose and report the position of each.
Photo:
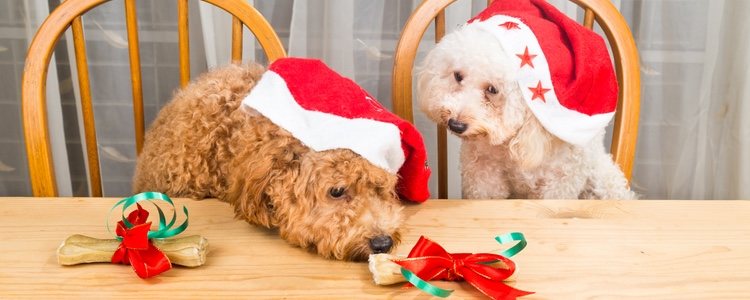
(381, 244)
(456, 126)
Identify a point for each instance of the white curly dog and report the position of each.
(468, 82)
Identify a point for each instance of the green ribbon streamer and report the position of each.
(512, 237)
(424, 285)
(442, 293)
(164, 230)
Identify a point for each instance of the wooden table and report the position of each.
(577, 250)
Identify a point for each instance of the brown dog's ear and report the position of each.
(247, 191)
(307, 177)
(254, 189)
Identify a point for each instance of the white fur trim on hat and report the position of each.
(569, 125)
(378, 142)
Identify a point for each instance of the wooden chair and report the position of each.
(626, 66)
(68, 14)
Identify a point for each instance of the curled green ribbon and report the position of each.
(164, 230)
(512, 237)
(424, 285)
(442, 293)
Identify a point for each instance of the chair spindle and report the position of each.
(87, 109)
(131, 20)
(182, 29)
(236, 40)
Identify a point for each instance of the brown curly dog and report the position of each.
(204, 144)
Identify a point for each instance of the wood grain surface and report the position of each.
(577, 250)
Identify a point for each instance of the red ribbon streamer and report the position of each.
(429, 261)
(136, 249)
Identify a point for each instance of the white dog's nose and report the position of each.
(456, 126)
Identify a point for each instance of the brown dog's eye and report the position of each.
(457, 75)
(336, 192)
(492, 90)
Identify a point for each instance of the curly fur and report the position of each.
(205, 144)
(505, 151)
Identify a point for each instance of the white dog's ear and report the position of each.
(425, 81)
(531, 143)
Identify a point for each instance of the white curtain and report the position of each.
(695, 54)
(694, 135)
(18, 23)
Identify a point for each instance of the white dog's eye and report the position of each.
(336, 192)
(491, 90)
(458, 76)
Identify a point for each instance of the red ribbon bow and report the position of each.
(136, 249)
(430, 261)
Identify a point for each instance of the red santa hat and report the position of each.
(564, 69)
(326, 111)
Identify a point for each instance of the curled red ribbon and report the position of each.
(136, 249)
(429, 261)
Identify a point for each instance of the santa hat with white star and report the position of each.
(564, 69)
(326, 111)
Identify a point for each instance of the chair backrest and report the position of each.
(68, 14)
(626, 67)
